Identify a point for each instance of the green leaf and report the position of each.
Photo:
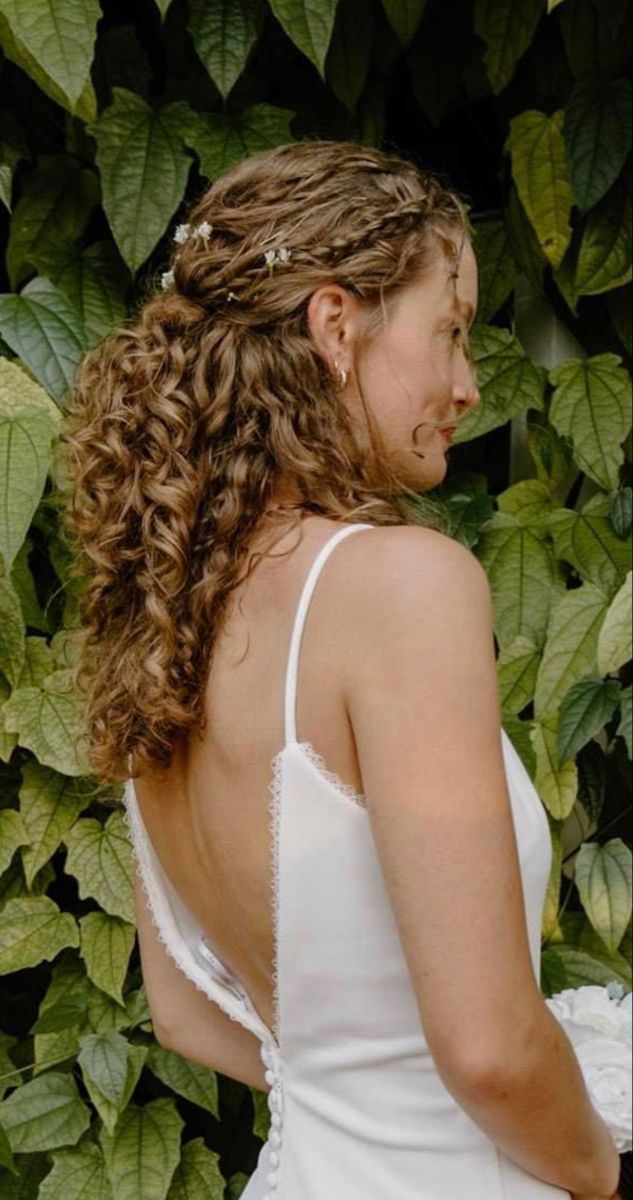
(222, 140)
(33, 929)
(18, 51)
(508, 381)
(12, 633)
(13, 885)
(108, 1110)
(571, 646)
(100, 858)
(48, 721)
(45, 331)
(197, 1176)
(349, 56)
(189, 1079)
(539, 168)
(614, 641)
(12, 835)
(55, 204)
(6, 1158)
(591, 405)
(524, 579)
(582, 969)
(144, 170)
(64, 1014)
(585, 710)
(224, 37)
(25, 447)
(38, 662)
(404, 16)
(497, 265)
(309, 26)
(598, 130)
(529, 501)
(78, 1174)
(555, 782)
(587, 540)
(45, 1113)
(94, 280)
(144, 1150)
(261, 1120)
(517, 666)
(64, 48)
(507, 27)
(604, 256)
(68, 984)
(103, 1057)
(49, 804)
(22, 579)
(621, 510)
(604, 880)
(106, 945)
(625, 729)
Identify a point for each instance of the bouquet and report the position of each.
(597, 1021)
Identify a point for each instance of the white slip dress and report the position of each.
(358, 1110)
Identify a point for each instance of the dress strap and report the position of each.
(302, 608)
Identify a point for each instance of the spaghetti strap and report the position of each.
(290, 728)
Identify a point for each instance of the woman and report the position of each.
(342, 861)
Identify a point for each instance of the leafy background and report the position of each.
(112, 117)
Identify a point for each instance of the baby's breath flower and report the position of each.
(182, 233)
(203, 230)
(167, 279)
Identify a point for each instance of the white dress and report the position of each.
(358, 1109)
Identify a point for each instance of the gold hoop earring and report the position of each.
(342, 375)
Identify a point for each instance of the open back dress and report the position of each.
(358, 1110)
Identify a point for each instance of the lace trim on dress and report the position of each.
(319, 762)
(162, 919)
(274, 810)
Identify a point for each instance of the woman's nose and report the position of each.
(466, 393)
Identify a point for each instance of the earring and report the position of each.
(342, 374)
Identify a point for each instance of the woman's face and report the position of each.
(416, 375)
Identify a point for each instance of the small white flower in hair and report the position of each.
(203, 230)
(280, 255)
(167, 279)
(182, 233)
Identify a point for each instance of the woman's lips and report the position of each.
(447, 434)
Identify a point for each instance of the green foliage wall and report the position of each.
(110, 120)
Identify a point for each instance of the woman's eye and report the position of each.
(457, 330)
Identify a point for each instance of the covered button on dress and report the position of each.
(358, 1110)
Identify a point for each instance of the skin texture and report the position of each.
(417, 373)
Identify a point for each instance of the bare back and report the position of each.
(208, 816)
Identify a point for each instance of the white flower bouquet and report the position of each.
(597, 1021)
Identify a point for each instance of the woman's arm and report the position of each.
(187, 1021)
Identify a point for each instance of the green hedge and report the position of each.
(109, 125)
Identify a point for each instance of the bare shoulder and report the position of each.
(395, 569)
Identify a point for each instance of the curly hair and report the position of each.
(182, 423)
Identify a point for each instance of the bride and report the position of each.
(341, 859)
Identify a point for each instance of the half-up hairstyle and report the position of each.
(182, 424)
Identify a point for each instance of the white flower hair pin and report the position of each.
(181, 234)
(271, 257)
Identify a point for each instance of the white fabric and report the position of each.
(358, 1108)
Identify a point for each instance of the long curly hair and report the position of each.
(182, 424)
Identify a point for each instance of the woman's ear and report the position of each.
(330, 315)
